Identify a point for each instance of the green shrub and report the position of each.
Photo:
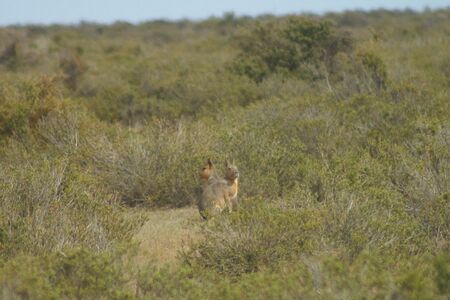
(9, 56)
(303, 47)
(72, 67)
(48, 200)
(258, 236)
(441, 264)
(376, 69)
(22, 105)
(74, 274)
(46, 205)
(157, 167)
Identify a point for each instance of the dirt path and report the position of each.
(165, 233)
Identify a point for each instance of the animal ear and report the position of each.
(227, 162)
(210, 164)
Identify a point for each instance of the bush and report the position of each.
(303, 47)
(22, 105)
(375, 68)
(72, 67)
(258, 236)
(57, 208)
(48, 201)
(74, 274)
(9, 56)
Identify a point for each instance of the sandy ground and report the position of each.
(165, 233)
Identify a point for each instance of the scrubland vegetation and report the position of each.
(339, 124)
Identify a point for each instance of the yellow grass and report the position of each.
(165, 233)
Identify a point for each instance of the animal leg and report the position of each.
(228, 201)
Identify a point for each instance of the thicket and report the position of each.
(339, 126)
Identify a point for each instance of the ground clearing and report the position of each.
(165, 233)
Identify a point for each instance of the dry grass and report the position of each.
(165, 233)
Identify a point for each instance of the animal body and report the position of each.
(232, 178)
(217, 194)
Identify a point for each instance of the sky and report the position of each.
(108, 11)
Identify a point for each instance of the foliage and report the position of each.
(296, 45)
(338, 124)
(76, 274)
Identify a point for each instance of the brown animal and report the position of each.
(215, 195)
(208, 173)
(232, 178)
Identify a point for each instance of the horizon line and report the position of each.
(82, 21)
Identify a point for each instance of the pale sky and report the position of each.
(107, 11)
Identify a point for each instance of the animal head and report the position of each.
(207, 171)
(231, 171)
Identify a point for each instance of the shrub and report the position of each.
(24, 104)
(10, 55)
(376, 69)
(258, 236)
(74, 274)
(48, 201)
(298, 46)
(157, 166)
(72, 67)
(441, 264)
(56, 210)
